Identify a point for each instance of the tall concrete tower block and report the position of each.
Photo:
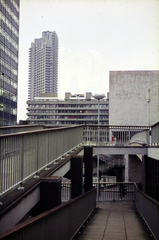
(43, 65)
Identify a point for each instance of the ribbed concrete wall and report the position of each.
(127, 97)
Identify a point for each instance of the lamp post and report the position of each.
(98, 97)
(148, 101)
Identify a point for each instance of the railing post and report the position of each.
(47, 160)
(21, 163)
(2, 164)
(89, 134)
(110, 135)
(37, 155)
(129, 135)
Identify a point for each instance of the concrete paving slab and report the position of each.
(114, 221)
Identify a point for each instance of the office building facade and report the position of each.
(9, 48)
(74, 110)
(43, 65)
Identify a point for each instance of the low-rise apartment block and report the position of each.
(74, 109)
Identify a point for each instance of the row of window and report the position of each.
(9, 32)
(66, 117)
(5, 64)
(9, 88)
(6, 43)
(5, 108)
(8, 52)
(66, 122)
(15, 4)
(8, 95)
(10, 11)
(10, 40)
(8, 73)
(9, 24)
(67, 112)
(8, 81)
(66, 106)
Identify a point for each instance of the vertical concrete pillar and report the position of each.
(88, 163)
(76, 176)
(50, 192)
(144, 157)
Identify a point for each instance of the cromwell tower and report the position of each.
(43, 65)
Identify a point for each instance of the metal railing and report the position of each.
(65, 191)
(108, 164)
(61, 222)
(108, 191)
(149, 211)
(114, 135)
(23, 155)
(115, 191)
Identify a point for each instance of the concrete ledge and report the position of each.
(17, 211)
(153, 152)
(122, 150)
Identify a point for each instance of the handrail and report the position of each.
(24, 154)
(115, 135)
(40, 130)
(73, 213)
(151, 215)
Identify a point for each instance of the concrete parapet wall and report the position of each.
(141, 137)
(155, 133)
(15, 213)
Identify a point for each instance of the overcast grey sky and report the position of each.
(95, 37)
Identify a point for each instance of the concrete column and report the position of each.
(144, 157)
(88, 162)
(76, 176)
(50, 192)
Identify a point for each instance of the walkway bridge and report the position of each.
(34, 162)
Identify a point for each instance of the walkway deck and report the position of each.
(114, 221)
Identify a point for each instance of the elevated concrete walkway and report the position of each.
(114, 221)
(120, 150)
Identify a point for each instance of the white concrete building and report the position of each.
(128, 103)
(43, 65)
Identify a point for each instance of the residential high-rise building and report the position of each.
(9, 47)
(43, 65)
